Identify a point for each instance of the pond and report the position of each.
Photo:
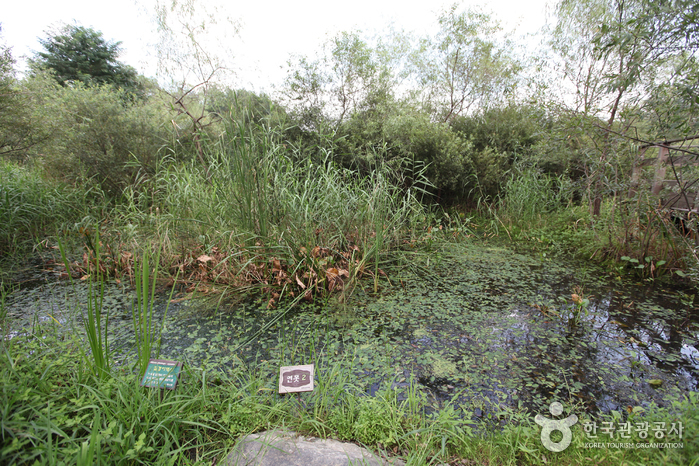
(482, 326)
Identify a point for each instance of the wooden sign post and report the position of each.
(296, 379)
(161, 373)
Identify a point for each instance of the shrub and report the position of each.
(99, 134)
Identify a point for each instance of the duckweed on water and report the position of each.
(485, 332)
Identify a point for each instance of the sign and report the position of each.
(161, 373)
(296, 379)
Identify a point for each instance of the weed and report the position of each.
(95, 328)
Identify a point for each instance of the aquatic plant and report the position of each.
(580, 305)
(148, 334)
(95, 329)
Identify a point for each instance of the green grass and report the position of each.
(632, 236)
(263, 215)
(56, 411)
(33, 207)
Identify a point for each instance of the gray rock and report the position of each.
(286, 448)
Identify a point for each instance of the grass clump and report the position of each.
(263, 215)
(32, 207)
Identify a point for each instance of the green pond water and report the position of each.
(482, 326)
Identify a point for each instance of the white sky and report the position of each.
(271, 30)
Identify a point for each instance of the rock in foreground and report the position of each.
(285, 448)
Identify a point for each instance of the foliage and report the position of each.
(17, 130)
(465, 69)
(33, 208)
(664, 34)
(54, 411)
(448, 157)
(348, 77)
(247, 107)
(529, 196)
(95, 135)
(79, 54)
(512, 130)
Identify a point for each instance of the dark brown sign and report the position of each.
(296, 378)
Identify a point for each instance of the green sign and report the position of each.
(161, 373)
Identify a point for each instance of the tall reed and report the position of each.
(262, 201)
(529, 194)
(32, 207)
(148, 334)
(95, 328)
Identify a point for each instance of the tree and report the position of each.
(17, 131)
(348, 77)
(606, 87)
(76, 53)
(464, 68)
(661, 41)
(194, 53)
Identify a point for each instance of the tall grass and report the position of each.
(261, 203)
(96, 328)
(32, 207)
(530, 195)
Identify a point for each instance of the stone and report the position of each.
(286, 448)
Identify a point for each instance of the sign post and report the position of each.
(296, 379)
(161, 373)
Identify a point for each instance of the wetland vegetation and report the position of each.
(453, 259)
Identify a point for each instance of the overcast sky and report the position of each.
(270, 31)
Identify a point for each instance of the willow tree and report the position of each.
(464, 67)
(194, 53)
(618, 54)
(661, 40)
(340, 81)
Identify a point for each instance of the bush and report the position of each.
(99, 134)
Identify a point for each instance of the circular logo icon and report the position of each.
(548, 426)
